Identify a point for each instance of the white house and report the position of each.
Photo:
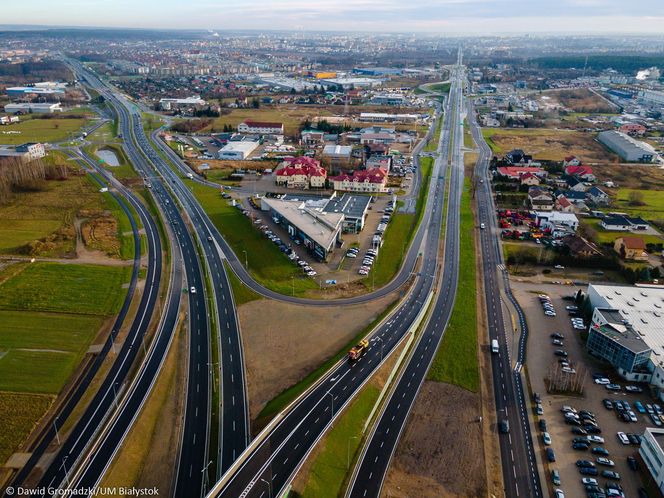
(260, 127)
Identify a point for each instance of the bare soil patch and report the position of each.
(441, 450)
(285, 342)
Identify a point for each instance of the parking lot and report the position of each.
(544, 366)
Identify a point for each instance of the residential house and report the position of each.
(371, 180)
(312, 137)
(540, 199)
(559, 224)
(581, 172)
(598, 197)
(631, 248)
(633, 129)
(516, 172)
(563, 205)
(571, 161)
(6, 120)
(517, 156)
(301, 172)
(529, 179)
(575, 184)
(623, 223)
(580, 247)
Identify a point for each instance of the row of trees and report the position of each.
(16, 175)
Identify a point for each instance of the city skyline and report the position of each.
(426, 16)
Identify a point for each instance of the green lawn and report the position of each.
(241, 293)
(20, 413)
(330, 466)
(267, 264)
(432, 146)
(35, 371)
(456, 359)
(653, 199)
(40, 130)
(64, 288)
(609, 236)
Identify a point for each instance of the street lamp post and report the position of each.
(332, 401)
(64, 466)
(204, 471)
(214, 384)
(348, 452)
(55, 427)
(381, 347)
(269, 487)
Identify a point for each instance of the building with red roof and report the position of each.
(301, 172)
(516, 172)
(581, 172)
(261, 127)
(368, 180)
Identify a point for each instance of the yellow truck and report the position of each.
(358, 350)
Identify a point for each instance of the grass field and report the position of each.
(399, 233)
(40, 130)
(124, 170)
(456, 359)
(653, 199)
(62, 288)
(432, 146)
(547, 144)
(329, 467)
(267, 264)
(20, 413)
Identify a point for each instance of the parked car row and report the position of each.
(547, 305)
(286, 249)
(625, 412)
(368, 261)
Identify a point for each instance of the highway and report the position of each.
(51, 432)
(371, 469)
(516, 448)
(270, 464)
(194, 471)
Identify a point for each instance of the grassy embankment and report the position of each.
(241, 293)
(602, 236)
(267, 264)
(456, 359)
(49, 315)
(399, 233)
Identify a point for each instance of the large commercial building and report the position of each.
(627, 330)
(627, 147)
(237, 150)
(260, 127)
(652, 452)
(44, 88)
(318, 231)
(353, 207)
(169, 104)
(25, 108)
(26, 152)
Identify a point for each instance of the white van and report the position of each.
(494, 346)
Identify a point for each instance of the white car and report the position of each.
(622, 437)
(589, 481)
(192, 290)
(559, 493)
(595, 439)
(603, 381)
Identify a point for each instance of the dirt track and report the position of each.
(451, 464)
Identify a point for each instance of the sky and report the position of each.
(431, 16)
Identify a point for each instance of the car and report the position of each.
(632, 463)
(542, 424)
(550, 455)
(650, 408)
(546, 438)
(603, 381)
(633, 389)
(579, 431)
(504, 426)
(584, 463)
(571, 308)
(550, 313)
(312, 273)
(655, 419)
(634, 439)
(610, 474)
(209, 238)
(598, 450)
(619, 405)
(482, 226)
(608, 404)
(567, 409)
(632, 416)
(580, 446)
(192, 290)
(658, 409)
(624, 416)
(572, 421)
(605, 461)
(594, 490)
(622, 437)
(588, 481)
(580, 440)
(538, 409)
(639, 407)
(592, 429)
(613, 387)
(588, 471)
(536, 397)
(595, 439)
(351, 255)
(557, 335)
(560, 352)
(558, 493)
(557, 342)
(555, 477)
(579, 327)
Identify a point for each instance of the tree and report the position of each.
(636, 198)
